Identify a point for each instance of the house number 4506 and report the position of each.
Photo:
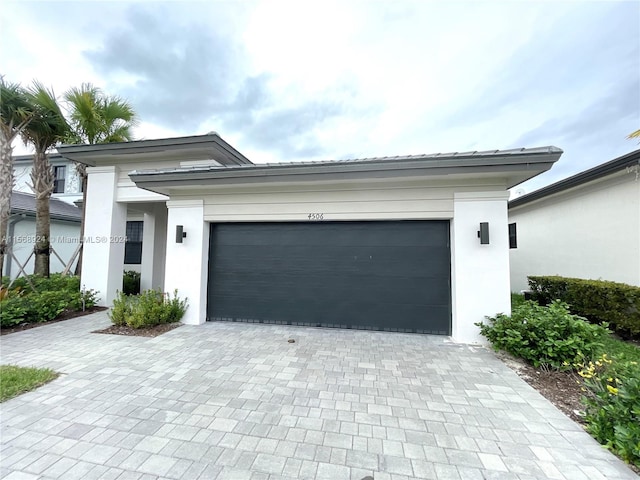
(316, 216)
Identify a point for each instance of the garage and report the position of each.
(375, 275)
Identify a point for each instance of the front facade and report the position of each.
(385, 243)
(585, 226)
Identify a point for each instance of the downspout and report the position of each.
(10, 231)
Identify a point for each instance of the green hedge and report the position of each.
(599, 301)
(52, 297)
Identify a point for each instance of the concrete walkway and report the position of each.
(237, 401)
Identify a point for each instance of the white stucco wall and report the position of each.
(72, 191)
(105, 232)
(64, 239)
(187, 262)
(591, 231)
(480, 273)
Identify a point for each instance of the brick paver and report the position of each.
(237, 401)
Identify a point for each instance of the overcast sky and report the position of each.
(306, 80)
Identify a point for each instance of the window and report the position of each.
(59, 174)
(513, 237)
(133, 246)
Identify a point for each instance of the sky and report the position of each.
(320, 80)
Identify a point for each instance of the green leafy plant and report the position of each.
(52, 296)
(549, 336)
(131, 282)
(13, 310)
(47, 305)
(149, 308)
(612, 403)
(599, 301)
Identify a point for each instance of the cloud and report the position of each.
(185, 77)
(573, 60)
(620, 105)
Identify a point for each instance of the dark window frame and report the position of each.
(513, 235)
(59, 177)
(133, 245)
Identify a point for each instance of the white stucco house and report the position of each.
(409, 243)
(67, 185)
(585, 226)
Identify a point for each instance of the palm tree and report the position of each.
(15, 114)
(96, 118)
(47, 128)
(635, 134)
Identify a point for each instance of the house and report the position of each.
(65, 233)
(409, 243)
(67, 185)
(585, 226)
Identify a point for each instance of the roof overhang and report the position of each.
(512, 166)
(200, 147)
(598, 172)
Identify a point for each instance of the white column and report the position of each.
(105, 230)
(186, 262)
(480, 273)
(154, 242)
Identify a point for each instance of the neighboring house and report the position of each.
(388, 243)
(585, 226)
(68, 188)
(67, 184)
(65, 233)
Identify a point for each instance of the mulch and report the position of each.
(66, 315)
(563, 389)
(138, 332)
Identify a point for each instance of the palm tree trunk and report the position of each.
(6, 185)
(42, 185)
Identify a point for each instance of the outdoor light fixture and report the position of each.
(180, 233)
(483, 233)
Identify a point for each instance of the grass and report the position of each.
(16, 380)
(620, 349)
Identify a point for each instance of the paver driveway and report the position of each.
(237, 401)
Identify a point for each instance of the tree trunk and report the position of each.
(6, 186)
(82, 172)
(42, 178)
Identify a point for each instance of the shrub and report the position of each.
(549, 336)
(599, 301)
(46, 306)
(131, 282)
(150, 308)
(52, 296)
(613, 405)
(12, 310)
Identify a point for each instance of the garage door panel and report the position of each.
(370, 275)
(412, 261)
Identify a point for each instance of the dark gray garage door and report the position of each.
(367, 275)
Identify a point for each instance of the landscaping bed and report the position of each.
(35, 300)
(152, 331)
(66, 315)
(587, 373)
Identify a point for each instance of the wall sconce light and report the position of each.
(180, 233)
(483, 233)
